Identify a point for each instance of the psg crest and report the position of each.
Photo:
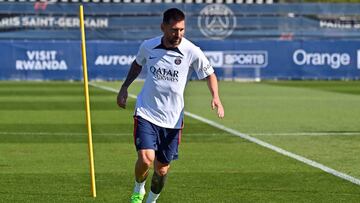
(177, 60)
(216, 21)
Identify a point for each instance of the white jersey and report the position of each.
(161, 100)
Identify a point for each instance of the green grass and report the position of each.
(43, 145)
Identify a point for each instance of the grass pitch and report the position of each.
(43, 145)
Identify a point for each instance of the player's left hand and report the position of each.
(122, 97)
(216, 104)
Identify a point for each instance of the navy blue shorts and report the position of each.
(164, 141)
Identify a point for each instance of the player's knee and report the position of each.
(162, 171)
(147, 162)
(146, 159)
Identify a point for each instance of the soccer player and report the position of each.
(158, 118)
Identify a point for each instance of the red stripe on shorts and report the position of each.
(135, 127)
(180, 132)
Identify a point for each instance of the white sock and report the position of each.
(140, 187)
(152, 197)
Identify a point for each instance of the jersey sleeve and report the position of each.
(201, 64)
(140, 56)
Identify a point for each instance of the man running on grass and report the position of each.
(158, 119)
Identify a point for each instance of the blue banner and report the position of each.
(40, 60)
(287, 59)
(110, 60)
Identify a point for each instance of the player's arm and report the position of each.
(134, 71)
(215, 102)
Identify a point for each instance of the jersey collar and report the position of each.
(162, 46)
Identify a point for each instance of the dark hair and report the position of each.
(173, 14)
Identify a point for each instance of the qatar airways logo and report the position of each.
(334, 60)
(165, 74)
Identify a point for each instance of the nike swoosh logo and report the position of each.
(152, 57)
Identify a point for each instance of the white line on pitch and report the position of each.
(307, 134)
(259, 142)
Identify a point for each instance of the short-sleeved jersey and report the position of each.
(161, 100)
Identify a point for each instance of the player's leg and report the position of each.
(158, 180)
(167, 151)
(142, 167)
(145, 142)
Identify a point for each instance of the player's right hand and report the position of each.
(122, 97)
